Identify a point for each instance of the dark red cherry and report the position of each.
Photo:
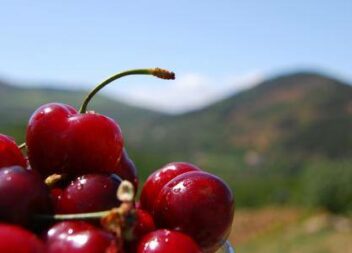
(144, 224)
(88, 193)
(161, 241)
(14, 239)
(156, 181)
(60, 140)
(79, 237)
(127, 170)
(198, 204)
(10, 154)
(22, 194)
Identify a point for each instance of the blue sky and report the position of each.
(215, 47)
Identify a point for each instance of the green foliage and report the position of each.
(328, 184)
(258, 191)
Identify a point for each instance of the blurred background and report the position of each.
(263, 99)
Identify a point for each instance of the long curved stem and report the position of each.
(125, 193)
(76, 216)
(161, 73)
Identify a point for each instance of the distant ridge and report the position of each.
(272, 143)
(305, 114)
(298, 116)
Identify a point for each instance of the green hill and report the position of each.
(263, 141)
(305, 115)
(288, 139)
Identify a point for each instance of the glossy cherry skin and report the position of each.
(79, 237)
(10, 154)
(198, 204)
(127, 170)
(88, 193)
(14, 239)
(60, 140)
(144, 224)
(22, 194)
(156, 181)
(161, 241)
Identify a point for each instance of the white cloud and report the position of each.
(188, 92)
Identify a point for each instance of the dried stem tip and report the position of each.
(53, 179)
(125, 192)
(163, 74)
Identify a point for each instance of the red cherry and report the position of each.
(144, 224)
(198, 204)
(163, 240)
(156, 181)
(79, 237)
(127, 170)
(22, 194)
(60, 140)
(88, 193)
(18, 240)
(10, 154)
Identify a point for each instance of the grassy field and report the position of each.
(289, 230)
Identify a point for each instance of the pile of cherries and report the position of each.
(72, 189)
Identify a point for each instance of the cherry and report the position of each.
(198, 204)
(60, 140)
(156, 181)
(143, 225)
(16, 239)
(22, 194)
(161, 241)
(79, 237)
(10, 154)
(127, 170)
(88, 193)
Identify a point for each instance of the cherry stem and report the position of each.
(160, 73)
(22, 146)
(125, 193)
(51, 180)
(76, 216)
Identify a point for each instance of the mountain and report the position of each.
(288, 139)
(261, 141)
(304, 115)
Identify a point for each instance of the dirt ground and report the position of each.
(274, 229)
